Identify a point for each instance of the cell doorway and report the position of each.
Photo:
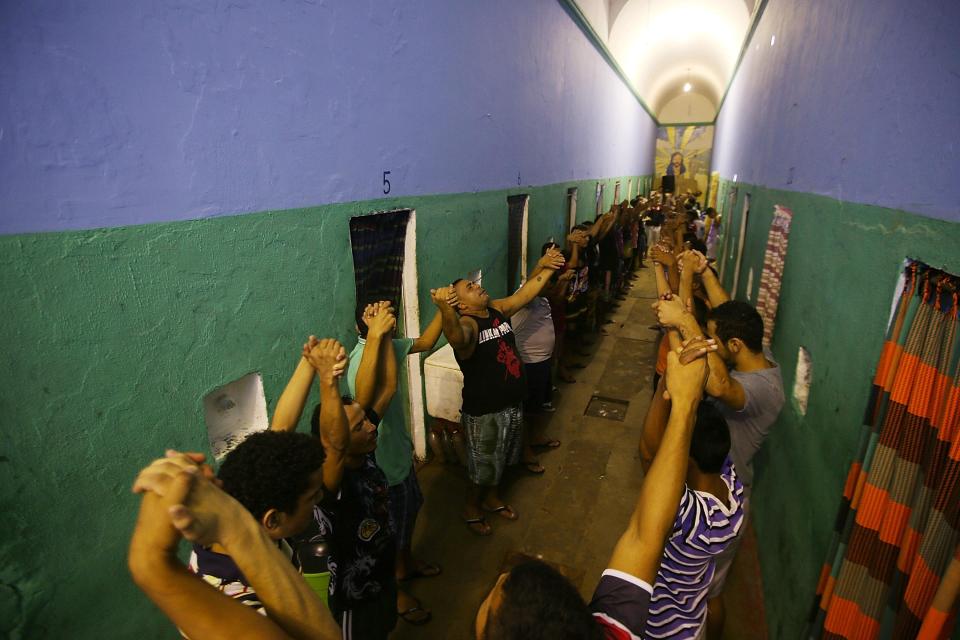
(384, 247)
(571, 209)
(517, 209)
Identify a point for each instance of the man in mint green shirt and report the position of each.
(394, 456)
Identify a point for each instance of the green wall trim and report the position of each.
(574, 11)
(840, 273)
(113, 336)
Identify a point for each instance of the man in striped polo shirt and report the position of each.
(707, 522)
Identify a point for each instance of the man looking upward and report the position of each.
(494, 384)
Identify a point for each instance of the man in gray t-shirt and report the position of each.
(745, 381)
(763, 399)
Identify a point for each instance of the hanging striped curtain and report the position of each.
(775, 257)
(893, 568)
(378, 247)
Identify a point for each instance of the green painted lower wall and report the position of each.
(841, 271)
(113, 336)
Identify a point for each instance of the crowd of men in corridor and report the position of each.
(346, 495)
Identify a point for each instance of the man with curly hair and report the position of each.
(278, 478)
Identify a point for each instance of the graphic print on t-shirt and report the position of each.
(506, 354)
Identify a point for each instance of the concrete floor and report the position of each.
(573, 514)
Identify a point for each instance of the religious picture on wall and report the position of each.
(684, 153)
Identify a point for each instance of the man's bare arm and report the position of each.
(380, 321)
(720, 384)
(195, 607)
(460, 332)
(386, 377)
(294, 397)
(715, 291)
(550, 262)
(334, 428)
(654, 424)
(198, 609)
(639, 550)
(724, 387)
(428, 339)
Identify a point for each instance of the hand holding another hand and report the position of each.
(670, 311)
(329, 358)
(694, 260)
(309, 345)
(444, 297)
(383, 321)
(685, 381)
(660, 255)
(163, 484)
(553, 259)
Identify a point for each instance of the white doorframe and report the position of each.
(726, 216)
(411, 320)
(743, 234)
(523, 241)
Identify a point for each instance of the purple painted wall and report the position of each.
(117, 113)
(855, 100)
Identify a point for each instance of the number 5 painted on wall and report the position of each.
(386, 183)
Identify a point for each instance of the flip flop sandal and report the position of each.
(485, 528)
(410, 618)
(533, 467)
(502, 511)
(432, 571)
(549, 444)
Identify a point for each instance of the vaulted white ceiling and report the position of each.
(663, 44)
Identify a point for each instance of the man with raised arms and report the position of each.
(494, 383)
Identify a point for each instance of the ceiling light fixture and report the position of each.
(773, 39)
(686, 87)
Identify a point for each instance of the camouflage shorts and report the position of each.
(493, 442)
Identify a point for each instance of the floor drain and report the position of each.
(609, 408)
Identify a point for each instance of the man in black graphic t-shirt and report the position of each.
(494, 384)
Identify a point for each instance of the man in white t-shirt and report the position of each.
(536, 338)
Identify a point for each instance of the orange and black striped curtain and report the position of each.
(893, 569)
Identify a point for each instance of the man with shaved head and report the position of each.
(494, 384)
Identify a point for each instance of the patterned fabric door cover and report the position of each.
(378, 243)
(773, 261)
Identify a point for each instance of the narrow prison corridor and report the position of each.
(219, 219)
(573, 514)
